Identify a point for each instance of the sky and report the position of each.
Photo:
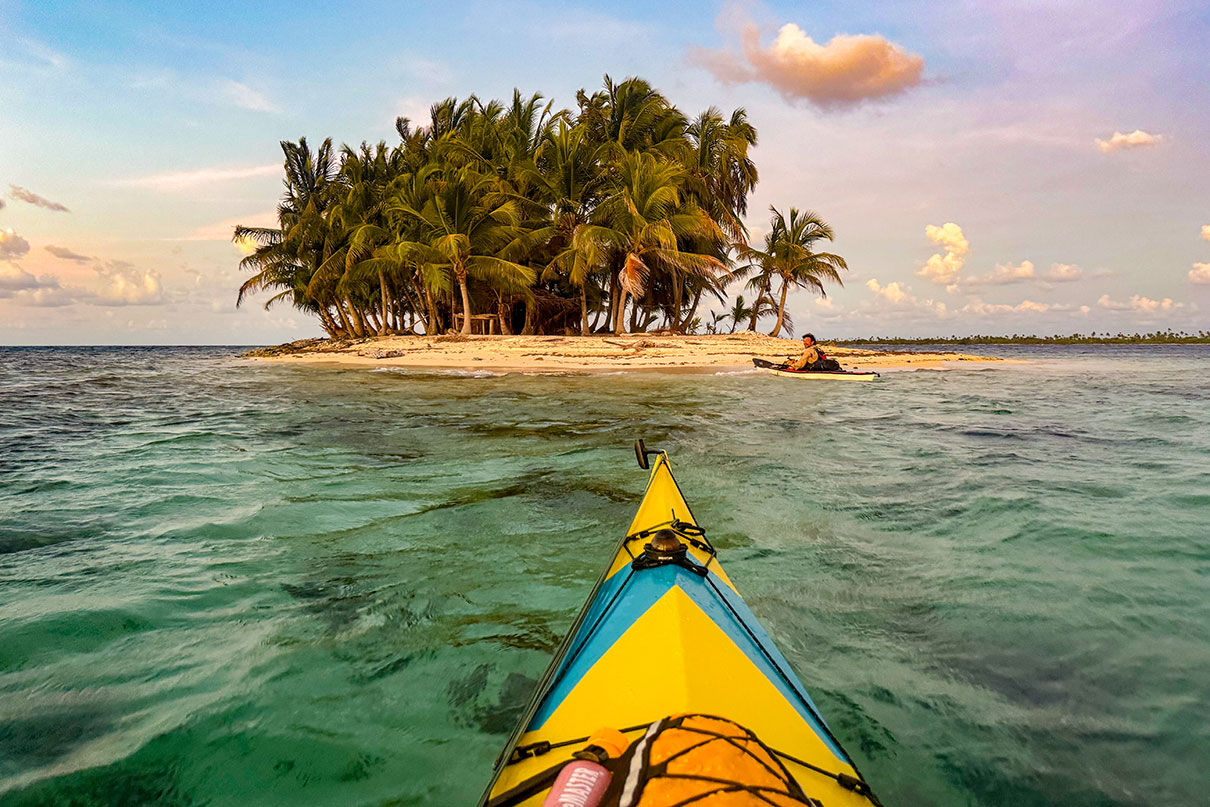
(988, 167)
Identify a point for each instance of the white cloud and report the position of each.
(843, 72)
(1003, 273)
(24, 289)
(1135, 139)
(1138, 303)
(125, 284)
(47, 296)
(945, 268)
(898, 295)
(244, 97)
(1200, 273)
(1063, 273)
(41, 59)
(185, 180)
(12, 246)
(981, 308)
(891, 291)
(14, 278)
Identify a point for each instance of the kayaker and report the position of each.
(812, 357)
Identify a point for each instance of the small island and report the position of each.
(703, 353)
(514, 235)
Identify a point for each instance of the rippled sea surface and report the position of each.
(229, 583)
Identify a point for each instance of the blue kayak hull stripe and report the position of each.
(626, 597)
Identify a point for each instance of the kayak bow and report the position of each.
(665, 632)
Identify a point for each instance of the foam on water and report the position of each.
(233, 583)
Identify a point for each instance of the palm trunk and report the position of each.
(359, 322)
(433, 325)
(382, 287)
(504, 313)
(325, 316)
(344, 319)
(674, 323)
(781, 307)
(684, 323)
(614, 292)
(531, 317)
(584, 308)
(756, 306)
(619, 315)
(466, 303)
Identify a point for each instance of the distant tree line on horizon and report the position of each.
(1168, 337)
(622, 215)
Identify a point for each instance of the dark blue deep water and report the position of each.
(231, 583)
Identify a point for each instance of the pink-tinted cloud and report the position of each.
(223, 230)
(185, 180)
(12, 246)
(1200, 273)
(29, 197)
(67, 254)
(1135, 139)
(845, 71)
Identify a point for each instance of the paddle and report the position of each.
(768, 365)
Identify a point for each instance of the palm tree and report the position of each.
(642, 219)
(789, 256)
(737, 312)
(287, 257)
(567, 175)
(463, 227)
(721, 174)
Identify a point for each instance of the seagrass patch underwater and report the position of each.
(225, 583)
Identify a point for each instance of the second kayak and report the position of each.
(836, 375)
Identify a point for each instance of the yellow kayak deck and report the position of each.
(672, 639)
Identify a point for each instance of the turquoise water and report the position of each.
(228, 583)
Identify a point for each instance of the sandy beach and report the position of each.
(562, 354)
